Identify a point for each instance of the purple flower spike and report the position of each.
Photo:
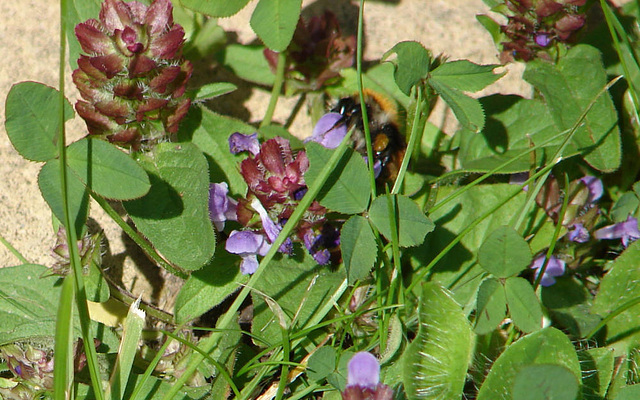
(221, 206)
(627, 231)
(578, 233)
(247, 245)
(555, 268)
(329, 131)
(594, 185)
(239, 143)
(542, 39)
(363, 379)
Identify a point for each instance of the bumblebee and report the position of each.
(387, 143)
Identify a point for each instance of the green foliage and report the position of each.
(215, 8)
(274, 22)
(465, 75)
(411, 65)
(208, 287)
(504, 253)
(568, 89)
(491, 306)
(50, 186)
(435, 363)
(618, 288)
(106, 170)
(299, 286)
(31, 113)
(359, 247)
(174, 215)
(597, 370)
(524, 305)
(545, 382)
(466, 109)
(248, 63)
(548, 346)
(347, 189)
(412, 224)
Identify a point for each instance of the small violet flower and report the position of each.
(578, 233)
(221, 206)
(271, 228)
(248, 245)
(319, 245)
(555, 268)
(363, 379)
(239, 143)
(542, 39)
(594, 185)
(329, 131)
(627, 231)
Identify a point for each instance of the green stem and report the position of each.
(363, 105)
(413, 136)
(229, 315)
(13, 250)
(275, 92)
(135, 236)
(72, 239)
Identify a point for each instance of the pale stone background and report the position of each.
(29, 51)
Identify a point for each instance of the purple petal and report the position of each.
(542, 39)
(578, 233)
(594, 185)
(329, 132)
(627, 231)
(239, 143)
(271, 228)
(221, 206)
(249, 264)
(321, 255)
(555, 267)
(364, 370)
(245, 243)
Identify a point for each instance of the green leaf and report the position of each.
(274, 21)
(322, 363)
(299, 286)
(28, 303)
(413, 225)
(545, 382)
(467, 110)
(618, 287)
(546, 346)
(347, 189)
(210, 132)
(631, 392)
(248, 63)
(412, 64)
(491, 306)
(75, 12)
(31, 113)
(512, 125)
(568, 89)
(358, 246)
(213, 90)
(505, 253)
(492, 27)
(51, 189)
(435, 363)
(597, 370)
(215, 8)
(208, 287)
(114, 175)
(465, 75)
(524, 305)
(174, 215)
(63, 347)
(569, 305)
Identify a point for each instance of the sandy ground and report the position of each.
(29, 51)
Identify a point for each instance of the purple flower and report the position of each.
(248, 245)
(555, 268)
(594, 185)
(319, 245)
(239, 143)
(221, 206)
(542, 39)
(329, 131)
(271, 228)
(578, 233)
(363, 379)
(627, 231)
